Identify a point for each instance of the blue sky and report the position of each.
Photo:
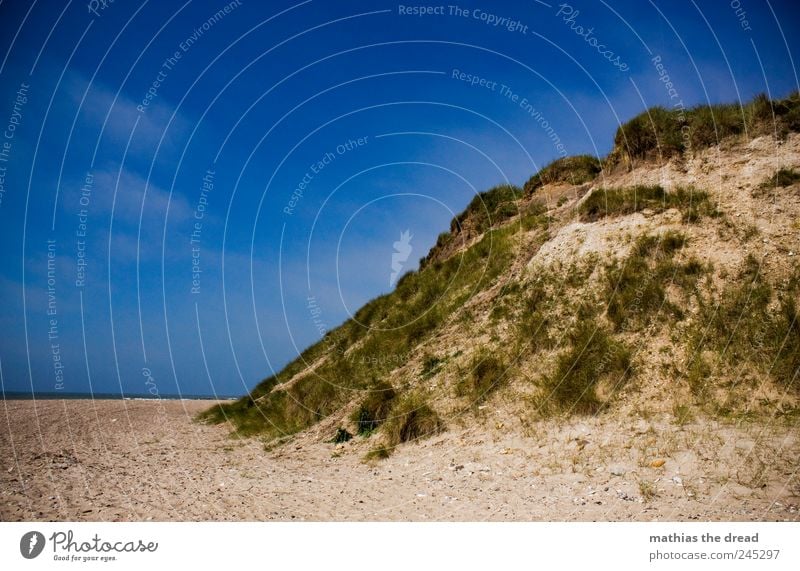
(371, 109)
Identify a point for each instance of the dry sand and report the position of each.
(148, 460)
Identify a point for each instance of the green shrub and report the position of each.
(787, 114)
(535, 320)
(489, 208)
(341, 436)
(570, 170)
(682, 414)
(593, 354)
(782, 178)
(709, 125)
(534, 215)
(487, 373)
(604, 202)
(374, 409)
(659, 132)
(431, 366)
(636, 286)
(380, 452)
(741, 329)
(656, 131)
(663, 133)
(784, 339)
(411, 419)
(697, 376)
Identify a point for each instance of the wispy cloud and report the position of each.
(116, 113)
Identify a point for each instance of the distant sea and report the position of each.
(106, 396)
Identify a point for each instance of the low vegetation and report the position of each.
(663, 133)
(748, 325)
(609, 202)
(487, 372)
(363, 350)
(569, 170)
(783, 178)
(535, 323)
(636, 287)
(569, 330)
(412, 418)
(489, 208)
(593, 357)
(374, 409)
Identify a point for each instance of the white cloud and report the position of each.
(105, 106)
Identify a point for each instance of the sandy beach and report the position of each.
(147, 460)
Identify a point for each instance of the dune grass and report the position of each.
(569, 170)
(663, 133)
(412, 418)
(593, 354)
(614, 202)
(748, 323)
(487, 373)
(636, 286)
(353, 361)
(365, 349)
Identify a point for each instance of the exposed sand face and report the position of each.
(136, 461)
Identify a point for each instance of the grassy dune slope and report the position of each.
(663, 275)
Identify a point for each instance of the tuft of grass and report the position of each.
(412, 418)
(430, 366)
(636, 287)
(487, 373)
(750, 324)
(380, 452)
(535, 322)
(489, 208)
(783, 177)
(571, 170)
(593, 355)
(341, 436)
(534, 216)
(698, 374)
(374, 409)
(647, 490)
(605, 202)
(783, 338)
(662, 133)
(682, 414)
